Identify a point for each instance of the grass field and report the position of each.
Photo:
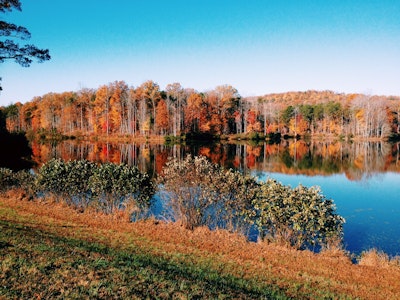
(49, 251)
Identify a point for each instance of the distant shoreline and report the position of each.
(162, 139)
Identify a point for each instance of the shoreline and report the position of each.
(231, 138)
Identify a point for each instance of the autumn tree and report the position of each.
(101, 106)
(223, 102)
(194, 113)
(9, 48)
(118, 105)
(110, 107)
(132, 111)
(370, 117)
(12, 117)
(228, 100)
(84, 104)
(176, 99)
(253, 124)
(162, 117)
(50, 111)
(27, 113)
(149, 95)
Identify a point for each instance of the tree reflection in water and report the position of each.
(358, 160)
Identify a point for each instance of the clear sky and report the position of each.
(257, 46)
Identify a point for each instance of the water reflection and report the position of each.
(358, 160)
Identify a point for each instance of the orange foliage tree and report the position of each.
(162, 117)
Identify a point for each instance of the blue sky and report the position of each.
(259, 47)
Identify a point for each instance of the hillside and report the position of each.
(316, 97)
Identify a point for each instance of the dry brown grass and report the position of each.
(329, 271)
(375, 258)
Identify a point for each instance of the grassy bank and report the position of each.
(39, 264)
(48, 250)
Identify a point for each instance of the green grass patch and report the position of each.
(36, 263)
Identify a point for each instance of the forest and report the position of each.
(119, 110)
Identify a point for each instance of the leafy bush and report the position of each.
(25, 180)
(21, 179)
(77, 178)
(236, 193)
(255, 136)
(51, 178)
(189, 188)
(7, 179)
(298, 217)
(201, 193)
(116, 186)
(83, 183)
(67, 180)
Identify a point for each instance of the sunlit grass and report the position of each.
(36, 263)
(51, 251)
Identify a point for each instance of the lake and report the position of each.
(363, 179)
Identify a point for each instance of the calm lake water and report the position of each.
(363, 179)
(371, 207)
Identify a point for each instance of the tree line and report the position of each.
(117, 109)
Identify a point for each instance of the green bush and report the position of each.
(107, 187)
(22, 179)
(298, 217)
(7, 179)
(78, 174)
(25, 180)
(201, 193)
(116, 186)
(255, 136)
(51, 178)
(67, 181)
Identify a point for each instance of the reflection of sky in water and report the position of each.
(371, 207)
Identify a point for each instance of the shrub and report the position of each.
(66, 180)
(299, 217)
(51, 178)
(22, 179)
(119, 186)
(25, 180)
(201, 193)
(374, 258)
(189, 188)
(78, 174)
(107, 187)
(236, 195)
(255, 136)
(274, 138)
(7, 179)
